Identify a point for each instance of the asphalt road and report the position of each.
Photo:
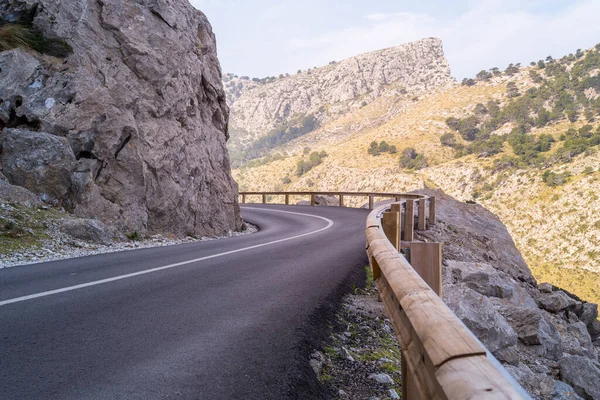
(223, 319)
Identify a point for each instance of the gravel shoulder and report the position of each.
(360, 359)
(34, 233)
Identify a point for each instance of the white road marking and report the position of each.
(149, 271)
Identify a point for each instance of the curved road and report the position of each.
(225, 319)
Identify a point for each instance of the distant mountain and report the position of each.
(273, 111)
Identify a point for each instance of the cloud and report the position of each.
(491, 33)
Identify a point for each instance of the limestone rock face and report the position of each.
(133, 122)
(337, 88)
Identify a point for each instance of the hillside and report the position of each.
(272, 111)
(523, 142)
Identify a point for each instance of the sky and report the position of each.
(262, 38)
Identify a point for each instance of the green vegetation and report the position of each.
(553, 179)
(377, 148)
(134, 236)
(449, 140)
(268, 159)
(24, 35)
(410, 159)
(315, 158)
(561, 94)
(24, 228)
(294, 128)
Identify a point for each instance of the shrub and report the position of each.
(134, 236)
(484, 75)
(410, 159)
(315, 158)
(553, 179)
(286, 180)
(377, 148)
(448, 139)
(468, 82)
(512, 90)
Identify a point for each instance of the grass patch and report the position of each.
(24, 35)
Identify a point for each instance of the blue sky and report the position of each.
(266, 37)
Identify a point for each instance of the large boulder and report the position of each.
(562, 391)
(582, 374)
(533, 328)
(589, 313)
(90, 230)
(478, 314)
(17, 194)
(486, 280)
(38, 161)
(131, 126)
(321, 200)
(556, 301)
(576, 340)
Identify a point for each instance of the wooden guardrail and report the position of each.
(341, 195)
(441, 358)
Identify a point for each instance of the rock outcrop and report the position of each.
(131, 126)
(546, 337)
(338, 88)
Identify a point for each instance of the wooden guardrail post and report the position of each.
(432, 210)
(421, 221)
(341, 200)
(287, 199)
(409, 220)
(426, 259)
(371, 201)
(243, 199)
(397, 208)
(390, 223)
(312, 200)
(264, 199)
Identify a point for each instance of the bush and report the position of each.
(315, 158)
(410, 159)
(448, 139)
(553, 179)
(484, 75)
(377, 148)
(512, 90)
(468, 82)
(286, 180)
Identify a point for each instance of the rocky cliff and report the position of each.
(322, 94)
(126, 122)
(547, 338)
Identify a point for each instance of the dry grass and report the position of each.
(13, 36)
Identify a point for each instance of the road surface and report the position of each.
(226, 319)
